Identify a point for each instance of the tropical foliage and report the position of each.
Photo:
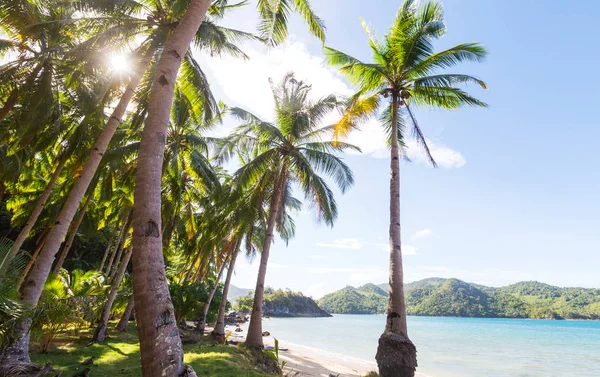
(101, 164)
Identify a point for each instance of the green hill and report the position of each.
(280, 303)
(456, 298)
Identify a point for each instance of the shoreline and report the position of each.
(304, 361)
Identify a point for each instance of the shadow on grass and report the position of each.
(120, 356)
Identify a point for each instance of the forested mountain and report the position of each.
(456, 298)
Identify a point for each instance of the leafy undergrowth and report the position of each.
(120, 356)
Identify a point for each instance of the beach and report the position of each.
(307, 361)
(447, 347)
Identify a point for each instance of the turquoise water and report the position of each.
(461, 347)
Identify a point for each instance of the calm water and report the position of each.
(461, 347)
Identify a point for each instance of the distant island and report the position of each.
(456, 298)
(280, 303)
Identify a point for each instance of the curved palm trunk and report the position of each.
(37, 210)
(219, 330)
(211, 295)
(254, 337)
(118, 259)
(160, 344)
(396, 354)
(33, 286)
(100, 333)
(124, 321)
(119, 244)
(10, 103)
(204, 270)
(108, 247)
(30, 263)
(71, 238)
(188, 275)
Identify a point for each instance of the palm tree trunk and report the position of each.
(108, 247)
(74, 228)
(124, 321)
(202, 323)
(219, 330)
(37, 210)
(396, 354)
(206, 268)
(118, 260)
(10, 103)
(120, 242)
(188, 275)
(32, 288)
(160, 344)
(254, 337)
(30, 263)
(100, 333)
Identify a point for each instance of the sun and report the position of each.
(119, 63)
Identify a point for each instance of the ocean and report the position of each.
(460, 347)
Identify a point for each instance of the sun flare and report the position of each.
(119, 63)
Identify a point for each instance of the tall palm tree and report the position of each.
(148, 265)
(406, 72)
(215, 40)
(291, 151)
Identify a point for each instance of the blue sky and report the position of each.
(516, 197)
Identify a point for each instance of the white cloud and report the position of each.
(444, 156)
(422, 234)
(316, 256)
(246, 84)
(406, 248)
(346, 243)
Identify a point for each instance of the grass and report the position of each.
(120, 357)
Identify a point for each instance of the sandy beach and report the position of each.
(305, 361)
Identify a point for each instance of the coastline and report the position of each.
(304, 361)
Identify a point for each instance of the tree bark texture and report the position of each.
(160, 344)
(254, 337)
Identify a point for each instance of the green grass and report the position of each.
(120, 356)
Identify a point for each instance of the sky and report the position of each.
(516, 194)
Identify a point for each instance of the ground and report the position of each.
(119, 357)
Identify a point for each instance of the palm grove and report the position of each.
(128, 158)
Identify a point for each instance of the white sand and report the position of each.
(304, 361)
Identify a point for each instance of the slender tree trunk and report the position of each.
(118, 260)
(33, 286)
(254, 337)
(30, 263)
(202, 323)
(160, 344)
(74, 228)
(124, 321)
(100, 333)
(108, 247)
(37, 210)
(120, 242)
(188, 275)
(219, 331)
(396, 354)
(206, 268)
(10, 103)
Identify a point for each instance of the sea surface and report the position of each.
(460, 347)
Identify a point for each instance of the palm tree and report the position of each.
(290, 151)
(148, 265)
(406, 71)
(212, 38)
